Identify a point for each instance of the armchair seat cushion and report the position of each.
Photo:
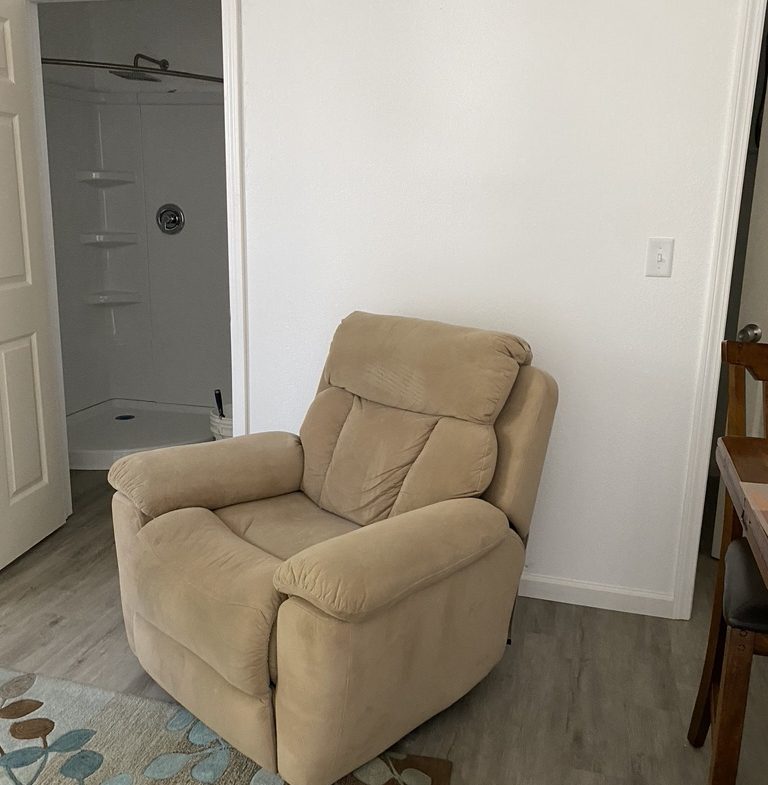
(284, 525)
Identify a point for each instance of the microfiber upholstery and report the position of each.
(314, 598)
(336, 576)
(405, 417)
(216, 599)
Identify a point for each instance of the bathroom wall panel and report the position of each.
(73, 145)
(183, 150)
(173, 345)
(130, 329)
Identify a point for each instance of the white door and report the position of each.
(34, 483)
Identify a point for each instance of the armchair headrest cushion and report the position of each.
(424, 366)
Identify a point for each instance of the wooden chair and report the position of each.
(739, 623)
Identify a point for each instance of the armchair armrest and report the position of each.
(212, 474)
(357, 574)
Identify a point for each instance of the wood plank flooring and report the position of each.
(60, 602)
(582, 696)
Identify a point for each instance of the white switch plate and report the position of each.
(658, 262)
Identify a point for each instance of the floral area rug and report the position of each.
(60, 732)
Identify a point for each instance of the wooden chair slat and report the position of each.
(736, 423)
(752, 356)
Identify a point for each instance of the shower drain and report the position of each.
(125, 417)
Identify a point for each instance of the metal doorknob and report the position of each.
(750, 333)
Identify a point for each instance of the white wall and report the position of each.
(503, 164)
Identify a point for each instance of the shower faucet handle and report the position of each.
(170, 219)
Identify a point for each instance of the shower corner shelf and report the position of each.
(112, 297)
(104, 178)
(109, 239)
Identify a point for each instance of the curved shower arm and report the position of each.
(163, 65)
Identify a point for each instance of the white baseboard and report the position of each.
(597, 595)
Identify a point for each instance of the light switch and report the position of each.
(658, 263)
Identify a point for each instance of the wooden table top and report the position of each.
(743, 463)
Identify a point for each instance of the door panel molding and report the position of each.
(22, 415)
(14, 254)
(6, 53)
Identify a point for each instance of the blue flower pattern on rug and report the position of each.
(208, 763)
(79, 766)
(194, 751)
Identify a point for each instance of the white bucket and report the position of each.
(221, 427)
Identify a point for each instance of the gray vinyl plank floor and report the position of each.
(582, 696)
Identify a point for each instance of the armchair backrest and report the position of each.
(412, 412)
(522, 432)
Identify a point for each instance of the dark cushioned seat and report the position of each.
(745, 601)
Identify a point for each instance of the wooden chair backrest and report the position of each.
(740, 358)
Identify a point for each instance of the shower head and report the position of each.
(142, 76)
(136, 76)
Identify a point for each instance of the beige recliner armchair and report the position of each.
(313, 598)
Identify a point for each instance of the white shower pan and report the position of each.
(101, 434)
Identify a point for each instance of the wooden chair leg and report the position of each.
(710, 675)
(731, 706)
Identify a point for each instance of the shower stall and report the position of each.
(137, 171)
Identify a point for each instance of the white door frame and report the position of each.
(236, 223)
(231, 29)
(700, 445)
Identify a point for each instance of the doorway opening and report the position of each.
(748, 298)
(134, 111)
